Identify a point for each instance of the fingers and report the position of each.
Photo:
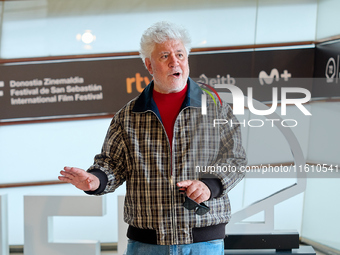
(73, 175)
(184, 184)
(73, 170)
(199, 195)
(196, 190)
(63, 179)
(201, 198)
(67, 175)
(79, 178)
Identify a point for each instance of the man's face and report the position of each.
(169, 66)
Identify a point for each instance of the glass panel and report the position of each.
(50, 28)
(321, 208)
(328, 19)
(286, 21)
(321, 212)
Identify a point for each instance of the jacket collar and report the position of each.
(145, 101)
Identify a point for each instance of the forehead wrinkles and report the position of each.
(169, 46)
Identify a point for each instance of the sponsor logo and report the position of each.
(138, 81)
(274, 75)
(332, 72)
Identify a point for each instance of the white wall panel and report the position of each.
(324, 138)
(4, 249)
(286, 21)
(321, 211)
(321, 222)
(37, 152)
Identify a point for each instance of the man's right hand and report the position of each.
(79, 178)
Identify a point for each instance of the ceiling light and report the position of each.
(87, 37)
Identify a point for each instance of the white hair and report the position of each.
(161, 32)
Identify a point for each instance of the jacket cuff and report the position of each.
(214, 184)
(102, 181)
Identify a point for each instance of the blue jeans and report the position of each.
(214, 247)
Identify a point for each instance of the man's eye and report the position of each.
(164, 56)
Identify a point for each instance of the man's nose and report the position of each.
(173, 61)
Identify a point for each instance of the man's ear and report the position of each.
(148, 65)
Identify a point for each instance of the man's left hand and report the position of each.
(196, 190)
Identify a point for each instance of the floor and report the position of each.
(102, 253)
(115, 253)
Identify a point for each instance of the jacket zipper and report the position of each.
(171, 184)
(175, 234)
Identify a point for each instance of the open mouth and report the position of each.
(176, 74)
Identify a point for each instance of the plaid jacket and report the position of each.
(136, 150)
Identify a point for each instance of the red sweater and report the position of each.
(169, 106)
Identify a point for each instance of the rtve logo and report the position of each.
(137, 81)
(274, 75)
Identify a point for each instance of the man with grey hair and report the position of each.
(177, 166)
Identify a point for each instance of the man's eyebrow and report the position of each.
(168, 52)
